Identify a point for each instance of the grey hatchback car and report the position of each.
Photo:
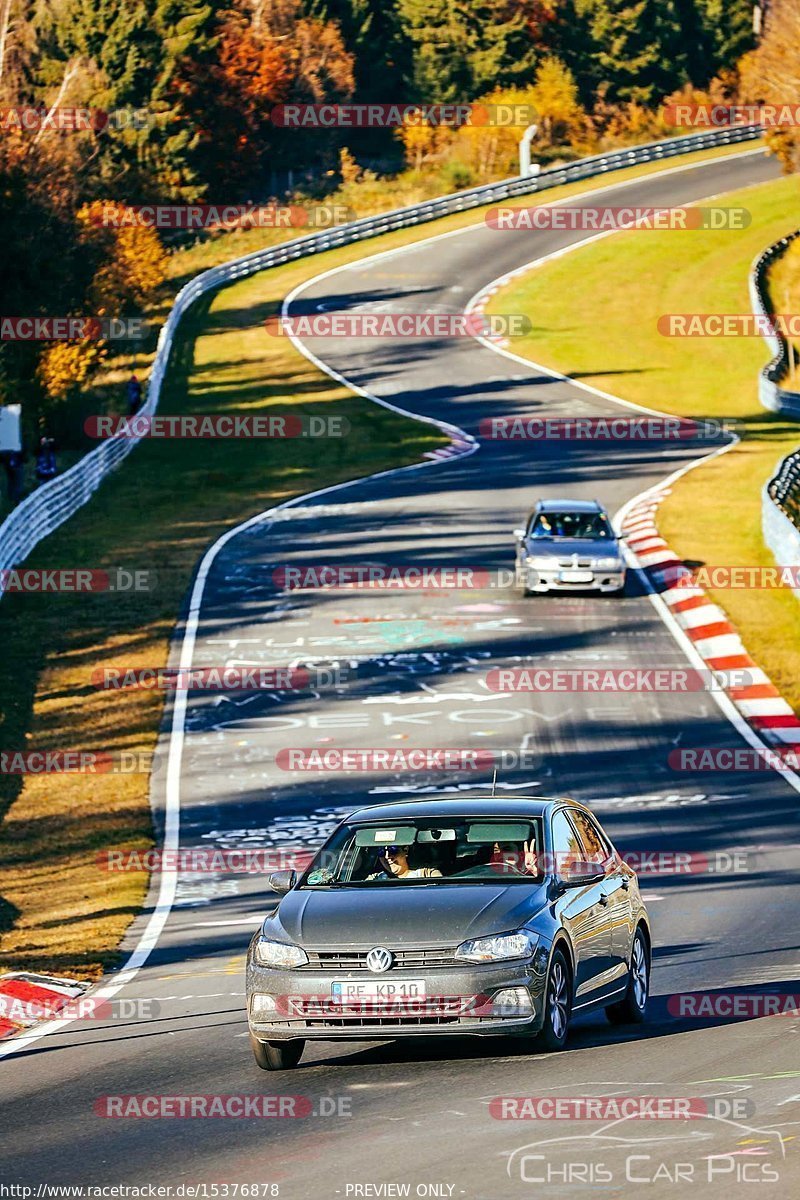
(472, 915)
(568, 545)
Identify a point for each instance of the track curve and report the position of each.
(420, 1115)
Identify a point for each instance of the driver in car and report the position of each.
(394, 860)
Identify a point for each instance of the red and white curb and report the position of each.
(479, 306)
(28, 999)
(705, 624)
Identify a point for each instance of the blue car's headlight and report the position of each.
(501, 946)
(279, 954)
(608, 564)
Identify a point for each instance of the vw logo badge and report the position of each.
(379, 960)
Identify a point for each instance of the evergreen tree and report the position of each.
(643, 46)
(436, 30)
(185, 29)
(502, 50)
(373, 33)
(729, 30)
(463, 49)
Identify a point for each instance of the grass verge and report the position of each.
(59, 911)
(210, 248)
(713, 515)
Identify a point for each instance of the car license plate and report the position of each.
(353, 991)
(576, 576)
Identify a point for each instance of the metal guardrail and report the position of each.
(784, 488)
(780, 498)
(54, 502)
(780, 513)
(771, 395)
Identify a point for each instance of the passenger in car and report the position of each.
(515, 858)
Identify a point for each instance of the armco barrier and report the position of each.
(780, 499)
(54, 502)
(780, 513)
(770, 393)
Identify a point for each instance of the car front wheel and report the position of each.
(557, 1004)
(277, 1056)
(630, 1010)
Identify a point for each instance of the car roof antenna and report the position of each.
(494, 782)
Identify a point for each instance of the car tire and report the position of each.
(277, 1056)
(631, 1009)
(522, 586)
(557, 1004)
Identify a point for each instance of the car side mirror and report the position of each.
(519, 534)
(282, 881)
(579, 874)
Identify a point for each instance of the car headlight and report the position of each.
(539, 562)
(279, 954)
(607, 564)
(494, 949)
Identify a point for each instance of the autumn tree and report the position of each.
(770, 74)
(266, 55)
(555, 97)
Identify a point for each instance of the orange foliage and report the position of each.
(255, 72)
(64, 366)
(135, 265)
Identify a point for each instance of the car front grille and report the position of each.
(582, 563)
(363, 1022)
(356, 960)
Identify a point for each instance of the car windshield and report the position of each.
(462, 850)
(587, 525)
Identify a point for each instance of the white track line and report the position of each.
(166, 894)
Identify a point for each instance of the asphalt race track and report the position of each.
(412, 675)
